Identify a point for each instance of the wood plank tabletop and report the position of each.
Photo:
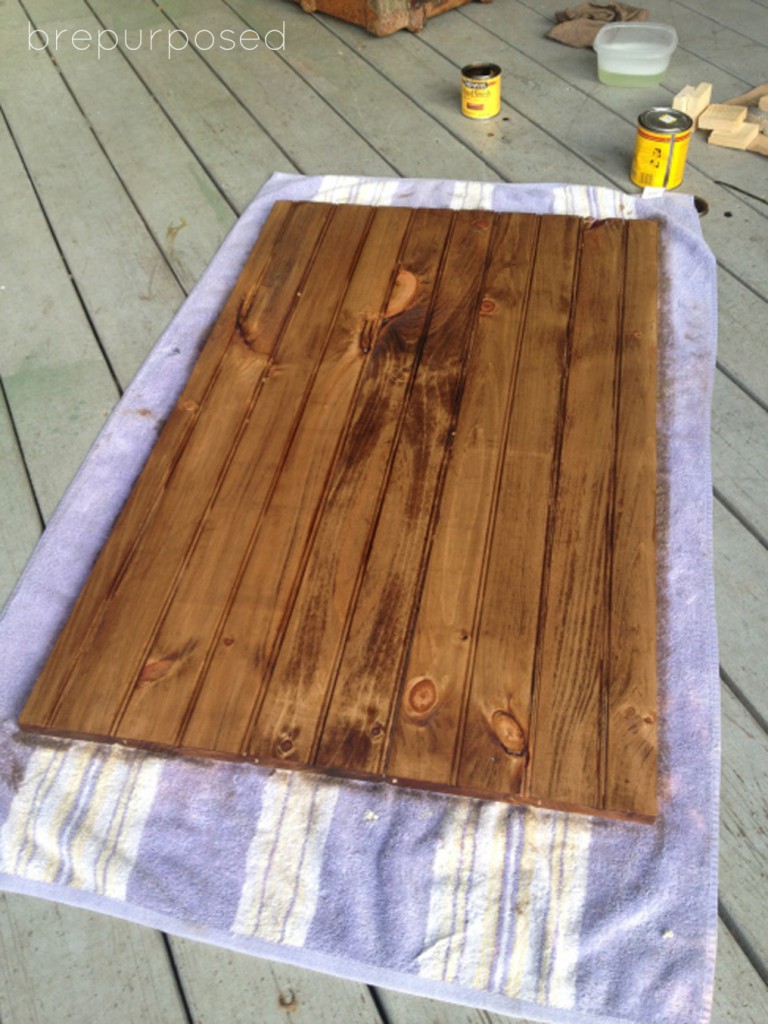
(401, 522)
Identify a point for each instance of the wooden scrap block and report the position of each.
(759, 145)
(683, 98)
(693, 100)
(738, 139)
(762, 103)
(700, 100)
(722, 117)
(750, 98)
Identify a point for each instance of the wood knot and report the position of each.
(487, 306)
(403, 294)
(421, 696)
(509, 733)
(377, 731)
(154, 670)
(285, 747)
(158, 668)
(636, 718)
(189, 405)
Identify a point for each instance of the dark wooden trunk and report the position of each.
(383, 17)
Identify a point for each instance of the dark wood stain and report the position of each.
(401, 522)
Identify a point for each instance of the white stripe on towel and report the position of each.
(571, 853)
(466, 897)
(362, 192)
(486, 930)
(549, 904)
(590, 201)
(78, 817)
(472, 195)
(280, 892)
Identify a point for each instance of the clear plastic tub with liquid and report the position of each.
(634, 53)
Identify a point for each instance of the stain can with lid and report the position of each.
(480, 90)
(661, 148)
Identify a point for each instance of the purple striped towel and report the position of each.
(551, 916)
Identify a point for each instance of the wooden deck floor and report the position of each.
(121, 174)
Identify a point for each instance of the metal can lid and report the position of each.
(481, 72)
(665, 120)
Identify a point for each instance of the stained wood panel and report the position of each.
(400, 523)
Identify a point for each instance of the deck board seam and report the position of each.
(760, 402)
(62, 255)
(113, 167)
(20, 449)
(231, 92)
(178, 980)
(129, 64)
(318, 93)
(740, 517)
(743, 940)
(740, 280)
(715, 21)
(728, 680)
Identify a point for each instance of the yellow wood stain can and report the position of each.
(661, 148)
(480, 90)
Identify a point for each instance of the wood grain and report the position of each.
(400, 523)
(567, 741)
(341, 588)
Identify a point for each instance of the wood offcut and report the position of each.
(401, 522)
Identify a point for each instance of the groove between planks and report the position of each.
(401, 521)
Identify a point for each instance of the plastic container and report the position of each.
(634, 53)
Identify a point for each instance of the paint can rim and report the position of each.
(653, 120)
(481, 72)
